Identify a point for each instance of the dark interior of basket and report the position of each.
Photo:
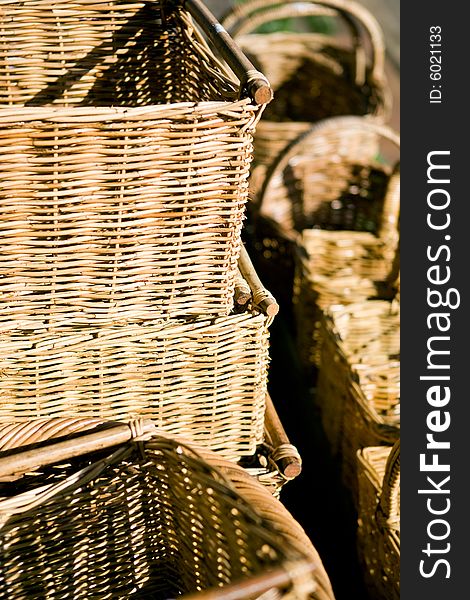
(109, 54)
(327, 80)
(153, 525)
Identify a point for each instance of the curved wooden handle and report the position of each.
(333, 126)
(246, 17)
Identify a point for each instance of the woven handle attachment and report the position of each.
(246, 17)
(253, 83)
(388, 509)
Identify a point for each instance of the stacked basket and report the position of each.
(349, 250)
(125, 154)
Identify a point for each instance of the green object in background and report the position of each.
(314, 24)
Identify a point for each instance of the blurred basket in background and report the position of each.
(125, 147)
(358, 389)
(314, 75)
(379, 520)
(119, 509)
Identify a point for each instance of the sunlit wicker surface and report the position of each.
(205, 379)
(125, 153)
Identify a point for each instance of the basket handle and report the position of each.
(246, 17)
(286, 456)
(388, 509)
(252, 81)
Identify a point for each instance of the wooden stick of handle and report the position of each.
(261, 296)
(289, 466)
(242, 290)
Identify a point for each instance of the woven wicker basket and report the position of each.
(379, 520)
(121, 511)
(328, 179)
(203, 379)
(314, 76)
(358, 387)
(125, 151)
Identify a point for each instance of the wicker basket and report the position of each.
(276, 461)
(358, 387)
(125, 151)
(328, 179)
(314, 76)
(379, 520)
(122, 511)
(203, 379)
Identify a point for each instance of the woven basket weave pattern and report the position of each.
(205, 380)
(125, 160)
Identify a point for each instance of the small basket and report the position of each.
(125, 150)
(329, 180)
(379, 520)
(314, 76)
(358, 387)
(118, 510)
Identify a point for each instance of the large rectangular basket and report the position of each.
(379, 520)
(125, 146)
(121, 511)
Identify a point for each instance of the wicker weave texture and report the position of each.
(334, 267)
(359, 380)
(379, 520)
(331, 178)
(203, 379)
(148, 520)
(125, 155)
